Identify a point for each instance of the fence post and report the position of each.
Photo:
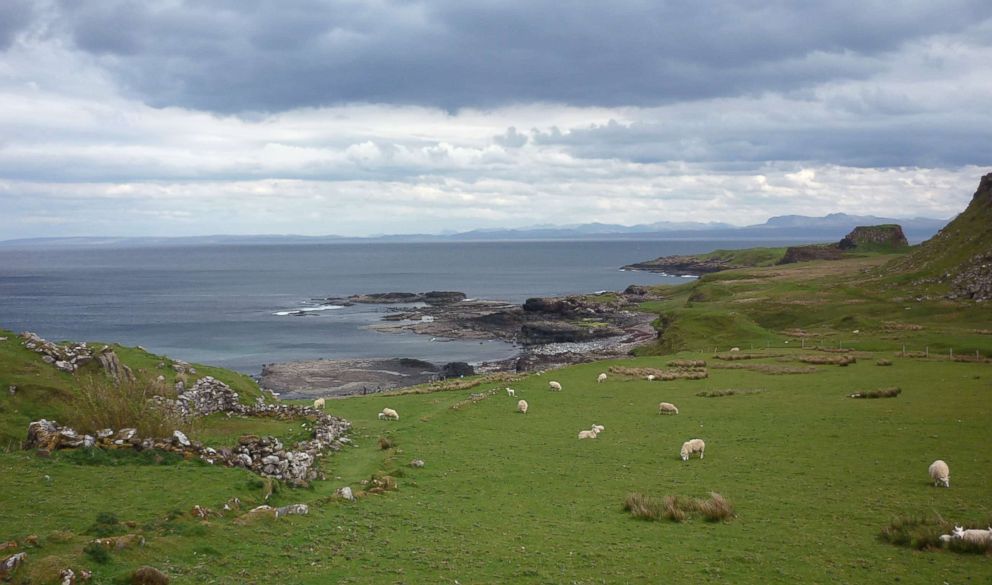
(928, 351)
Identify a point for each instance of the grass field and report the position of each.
(505, 497)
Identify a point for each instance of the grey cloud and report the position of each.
(261, 55)
(511, 138)
(15, 16)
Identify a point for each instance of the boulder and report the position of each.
(10, 564)
(292, 510)
(345, 493)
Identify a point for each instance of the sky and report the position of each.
(175, 117)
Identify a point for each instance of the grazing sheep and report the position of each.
(590, 434)
(940, 474)
(692, 446)
(389, 414)
(554, 386)
(735, 349)
(522, 406)
(598, 428)
(601, 378)
(319, 403)
(510, 392)
(650, 377)
(667, 408)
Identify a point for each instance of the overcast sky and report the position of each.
(176, 117)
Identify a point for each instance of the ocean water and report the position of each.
(229, 305)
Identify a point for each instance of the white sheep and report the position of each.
(667, 408)
(598, 428)
(692, 446)
(389, 414)
(735, 349)
(554, 386)
(979, 536)
(522, 406)
(650, 377)
(511, 392)
(590, 434)
(319, 403)
(940, 474)
(601, 378)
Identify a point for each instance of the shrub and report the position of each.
(100, 403)
(96, 553)
(106, 524)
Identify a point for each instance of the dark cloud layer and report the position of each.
(261, 55)
(15, 15)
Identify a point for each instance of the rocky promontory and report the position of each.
(684, 265)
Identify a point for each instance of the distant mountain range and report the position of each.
(785, 227)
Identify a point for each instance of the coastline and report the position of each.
(549, 332)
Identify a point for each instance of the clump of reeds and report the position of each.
(100, 402)
(880, 393)
(715, 508)
(728, 392)
(687, 364)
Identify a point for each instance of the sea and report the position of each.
(233, 305)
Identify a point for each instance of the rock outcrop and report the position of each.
(888, 237)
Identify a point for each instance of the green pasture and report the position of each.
(512, 498)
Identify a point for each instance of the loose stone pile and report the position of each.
(266, 456)
(67, 358)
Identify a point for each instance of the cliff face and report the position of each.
(957, 262)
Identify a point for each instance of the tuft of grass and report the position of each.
(677, 508)
(881, 393)
(102, 403)
(728, 392)
(386, 443)
(642, 507)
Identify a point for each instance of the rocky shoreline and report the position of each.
(550, 332)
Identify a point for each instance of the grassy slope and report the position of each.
(517, 498)
(830, 299)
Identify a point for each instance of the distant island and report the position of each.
(785, 227)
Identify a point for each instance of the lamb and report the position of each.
(522, 406)
(735, 349)
(667, 408)
(590, 434)
(940, 474)
(510, 392)
(389, 414)
(598, 428)
(319, 403)
(601, 378)
(650, 377)
(692, 446)
(554, 386)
